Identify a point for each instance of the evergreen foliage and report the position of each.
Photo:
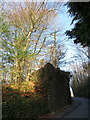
(80, 11)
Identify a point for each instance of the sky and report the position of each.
(72, 49)
(48, 0)
(64, 22)
(35, 0)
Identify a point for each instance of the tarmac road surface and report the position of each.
(81, 111)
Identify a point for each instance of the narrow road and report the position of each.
(81, 111)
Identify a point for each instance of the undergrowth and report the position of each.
(22, 102)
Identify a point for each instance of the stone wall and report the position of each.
(53, 85)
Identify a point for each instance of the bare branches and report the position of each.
(30, 24)
(42, 45)
(38, 40)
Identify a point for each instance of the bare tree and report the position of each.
(31, 25)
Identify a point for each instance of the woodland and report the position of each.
(28, 41)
